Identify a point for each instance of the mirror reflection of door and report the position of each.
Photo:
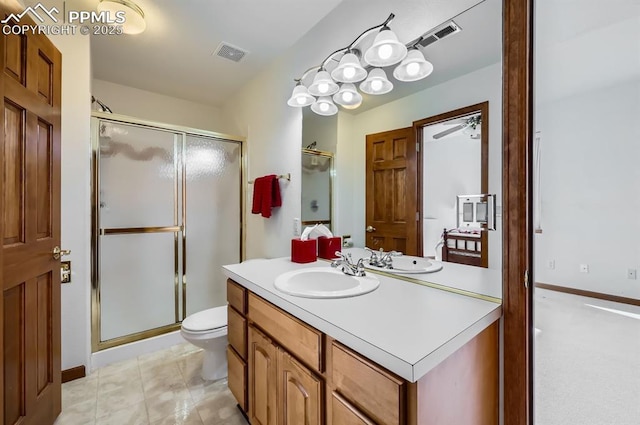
(391, 198)
(317, 170)
(453, 156)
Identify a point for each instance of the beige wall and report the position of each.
(151, 106)
(76, 212)
(274, 133)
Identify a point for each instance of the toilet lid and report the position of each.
(206, 320)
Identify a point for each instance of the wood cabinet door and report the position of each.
(344, 413)
(237, 377)
(263, 375)
(299, 393)
(392, 185)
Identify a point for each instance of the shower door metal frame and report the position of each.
(180, 275)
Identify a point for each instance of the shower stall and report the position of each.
(167, 214)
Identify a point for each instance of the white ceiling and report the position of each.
(174, 55)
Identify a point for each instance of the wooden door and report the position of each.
(30, 228)
(263, 375)
(392, 210)
(299, 393)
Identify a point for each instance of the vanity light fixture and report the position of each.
(386, 50)
(300, 96)
(349, 70)
(348, 96)
(324, 106)
(413, 67)
(347, 67)
(134, 16)
(323, 85)
(376, 83)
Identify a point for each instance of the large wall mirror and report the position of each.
(467, 72)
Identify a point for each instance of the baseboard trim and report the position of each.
(581, 292)
(73, 373)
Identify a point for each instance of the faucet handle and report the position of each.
(386, 261)
(360, 268)
(373, 258)
(344, 257)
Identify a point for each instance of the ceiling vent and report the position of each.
(227, 51)
(440, 33)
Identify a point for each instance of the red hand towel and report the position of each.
(258, 193)
(276, 200)
(266, 194)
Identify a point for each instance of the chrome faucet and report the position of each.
(381, 258)
(345, 263)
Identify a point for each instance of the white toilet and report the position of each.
(207, 329)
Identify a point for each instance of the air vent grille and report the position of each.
(428, 40)
(227, 51)
(440, 33)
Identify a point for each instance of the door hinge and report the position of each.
(417, 146)
(526, 279)
(417, 215)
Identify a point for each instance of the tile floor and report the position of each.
(161, 388)
(587, 361)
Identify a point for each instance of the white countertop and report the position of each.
(405, 327)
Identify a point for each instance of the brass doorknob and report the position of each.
(57, 252)
(371, 229)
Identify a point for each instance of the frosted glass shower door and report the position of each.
(212, 198)
(139, 218)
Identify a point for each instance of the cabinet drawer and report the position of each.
(290, 333)
(237, 331)
(376, 392)
(237, 296)
(237, 379)
(343, 413)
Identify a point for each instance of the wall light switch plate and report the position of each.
(632, 274)
(584, 268)
(552, 264)
(297, 227)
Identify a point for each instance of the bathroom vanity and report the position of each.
(403, 354)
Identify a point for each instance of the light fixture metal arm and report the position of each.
(344, 49)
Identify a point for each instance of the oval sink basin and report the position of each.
(408, 264)
(324, 282)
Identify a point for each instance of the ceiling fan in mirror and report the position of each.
(468, 125)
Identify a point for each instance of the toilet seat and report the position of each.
(206, 320)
